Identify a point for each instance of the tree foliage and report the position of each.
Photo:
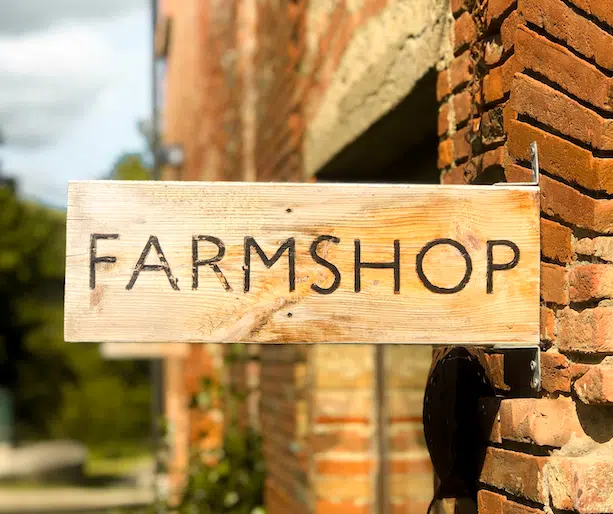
(59, 390)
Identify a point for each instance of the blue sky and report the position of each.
(74, 81)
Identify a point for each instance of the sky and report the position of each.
(74, 82)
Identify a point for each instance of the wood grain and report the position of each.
(125, 351)
(162, 307)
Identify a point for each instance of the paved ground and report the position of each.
(65, 500)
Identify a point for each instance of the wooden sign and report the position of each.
(302, 263)
(123, 351)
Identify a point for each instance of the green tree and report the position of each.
(131, 166)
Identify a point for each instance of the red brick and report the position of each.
(454, 176)
(341, 440)
(583, 481)
(459, 6)
(460, 70)
(563, 68)
(493, 503)
(541, 421)
(596, 385)
(462, 105)
(516, 473)
(508, 29)
(558, 199)
(443, 86)
(579, 33)
(341, 507)
(408, 507)
(601, 247)
(562, 158)
(560, 112)
(588, 331)
(465, 32)
(597, 8)
(445, 153)
(443, 119)
(556, 241)
(554, 283)
(556, 372)
(461, 146)
(339, 467)
(496, 9)
(406, 439)
(547, 324)
(587, 281)
(497, 83)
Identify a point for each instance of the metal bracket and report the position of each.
(534, 162)
(522, 368)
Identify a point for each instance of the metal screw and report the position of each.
(534, 383)
(532, 365)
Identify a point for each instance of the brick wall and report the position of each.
(547, 77)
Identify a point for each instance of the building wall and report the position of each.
(548, 79)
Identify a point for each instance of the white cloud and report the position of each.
(56, 58)
(48, 79)
(19, 16)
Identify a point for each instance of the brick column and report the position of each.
(548, 67)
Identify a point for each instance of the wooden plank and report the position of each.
(143, 350)
(130, 263)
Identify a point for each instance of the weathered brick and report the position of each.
(497, 83)
(541, 421)
(343, 367)
(454, 176)
(407, 437)
(341, 439)
(579, 33)
(445, 153)
(461, 145)
(443, 85)
(516, 473)
(443, 119)
(342, 467)
(562, 113)
(564, 159)
(404, 405)
(496, 9)
(462, 106)
(556, 372)
(340, 507)
(459, 6)
(558, 199)
(588, 331)
(547, 324)
(554, 283)
(465, 32)
(597, 8)
(492, 125)
(556, 241)
(460, 70)
(343, 488)
(596, 385)
(587, 281)
(601, 247)
(508, 28)
(342, 406)
(493, 503)
(562, 67)
(581, 481)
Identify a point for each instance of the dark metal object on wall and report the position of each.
(455, 424)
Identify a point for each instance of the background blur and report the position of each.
(74, 84)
